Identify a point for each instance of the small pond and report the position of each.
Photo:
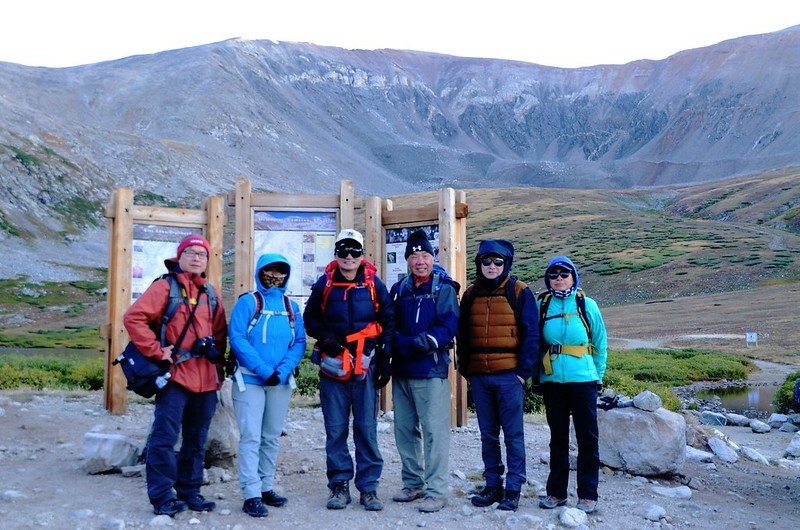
(740, 399)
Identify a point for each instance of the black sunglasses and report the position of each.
(555, 275)
(488, 261)
(343, 252)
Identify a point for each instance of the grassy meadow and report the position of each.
(663, 263)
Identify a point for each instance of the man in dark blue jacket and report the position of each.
(426, 312)
(350, 314)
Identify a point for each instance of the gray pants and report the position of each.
(260, 414)
(422, 432)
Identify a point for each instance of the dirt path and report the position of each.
(43, 485)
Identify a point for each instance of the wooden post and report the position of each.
(460, 275)
(119, 296)
(347, 204)
(215, 209)
(243, 274)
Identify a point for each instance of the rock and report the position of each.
(712, 418)
(108, 452)
(572, 517)
(648, 401)
(696, 436)
(793, 449)
(642, 443)
(161, 520)
(723, 451)
(133, 471)
(222, 445)
(776, 420)
(759, 427)
(755, 456)
(697, 455)
(650, 511)
(680, 492)
(737, 419)
(789, 427)
(12, 495)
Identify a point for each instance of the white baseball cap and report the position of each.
(349, 233)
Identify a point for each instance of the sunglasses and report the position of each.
(343, 252)
(493, 261)
(556, 275)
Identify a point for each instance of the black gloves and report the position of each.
(424, 343)
(273, 380)
(331, 346)
(383, 369)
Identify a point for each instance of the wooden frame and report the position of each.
(123, 215)
(246, 203)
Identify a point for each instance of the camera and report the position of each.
(207, 347)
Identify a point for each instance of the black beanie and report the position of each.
(418, 241)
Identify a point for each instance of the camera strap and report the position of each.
(176, 358)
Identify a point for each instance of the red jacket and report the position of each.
(143, 322)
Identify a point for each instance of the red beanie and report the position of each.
(190, 241)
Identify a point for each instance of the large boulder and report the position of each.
(222, 446)
(108, 453)
(640, 442)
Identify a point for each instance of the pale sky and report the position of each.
(561, 33)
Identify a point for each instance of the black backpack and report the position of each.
(544, 302)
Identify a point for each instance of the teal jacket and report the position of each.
(569, 330)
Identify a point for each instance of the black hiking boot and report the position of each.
(339, 497)
(510, 501)
(487, 496)
(270, 498)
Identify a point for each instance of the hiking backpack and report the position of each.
(512, 291)
(544, 303)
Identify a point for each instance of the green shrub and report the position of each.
(308, 380)
(784, 396)
(52, 371)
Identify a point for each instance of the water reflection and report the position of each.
(744, 398)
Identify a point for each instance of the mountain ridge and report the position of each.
(296, 117)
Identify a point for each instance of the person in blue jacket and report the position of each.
(426, 320)
(268, 339)
(572, 372)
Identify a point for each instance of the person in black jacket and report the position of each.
(350, 314)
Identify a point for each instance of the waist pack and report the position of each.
(344, 365)
(141, 372)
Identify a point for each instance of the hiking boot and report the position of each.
(487, 496)
(371, 502)
(171, 507)
(432, 504)
(408, 495)
(339, 497)
(198, 503)
(586, 505)
(255, 508)
(510, 501)
(550, 502)
(270, 498)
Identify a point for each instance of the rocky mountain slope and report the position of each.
(298, 118)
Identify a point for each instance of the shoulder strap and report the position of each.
(259, 301)
(177, 295)
(580, 301)
(513, 289)
(369, 283)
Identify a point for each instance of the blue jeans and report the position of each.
(579, 400)
(498, 402)
(178, 411)
(422, 430)
(338, 400)
(260, 414)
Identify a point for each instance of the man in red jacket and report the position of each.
(189, 399)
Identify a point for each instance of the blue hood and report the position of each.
(269, 259)
(501, 247)
(565, 263)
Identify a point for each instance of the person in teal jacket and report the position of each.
(268, 345)
(574, 363)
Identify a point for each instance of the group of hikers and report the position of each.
(365, 337)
